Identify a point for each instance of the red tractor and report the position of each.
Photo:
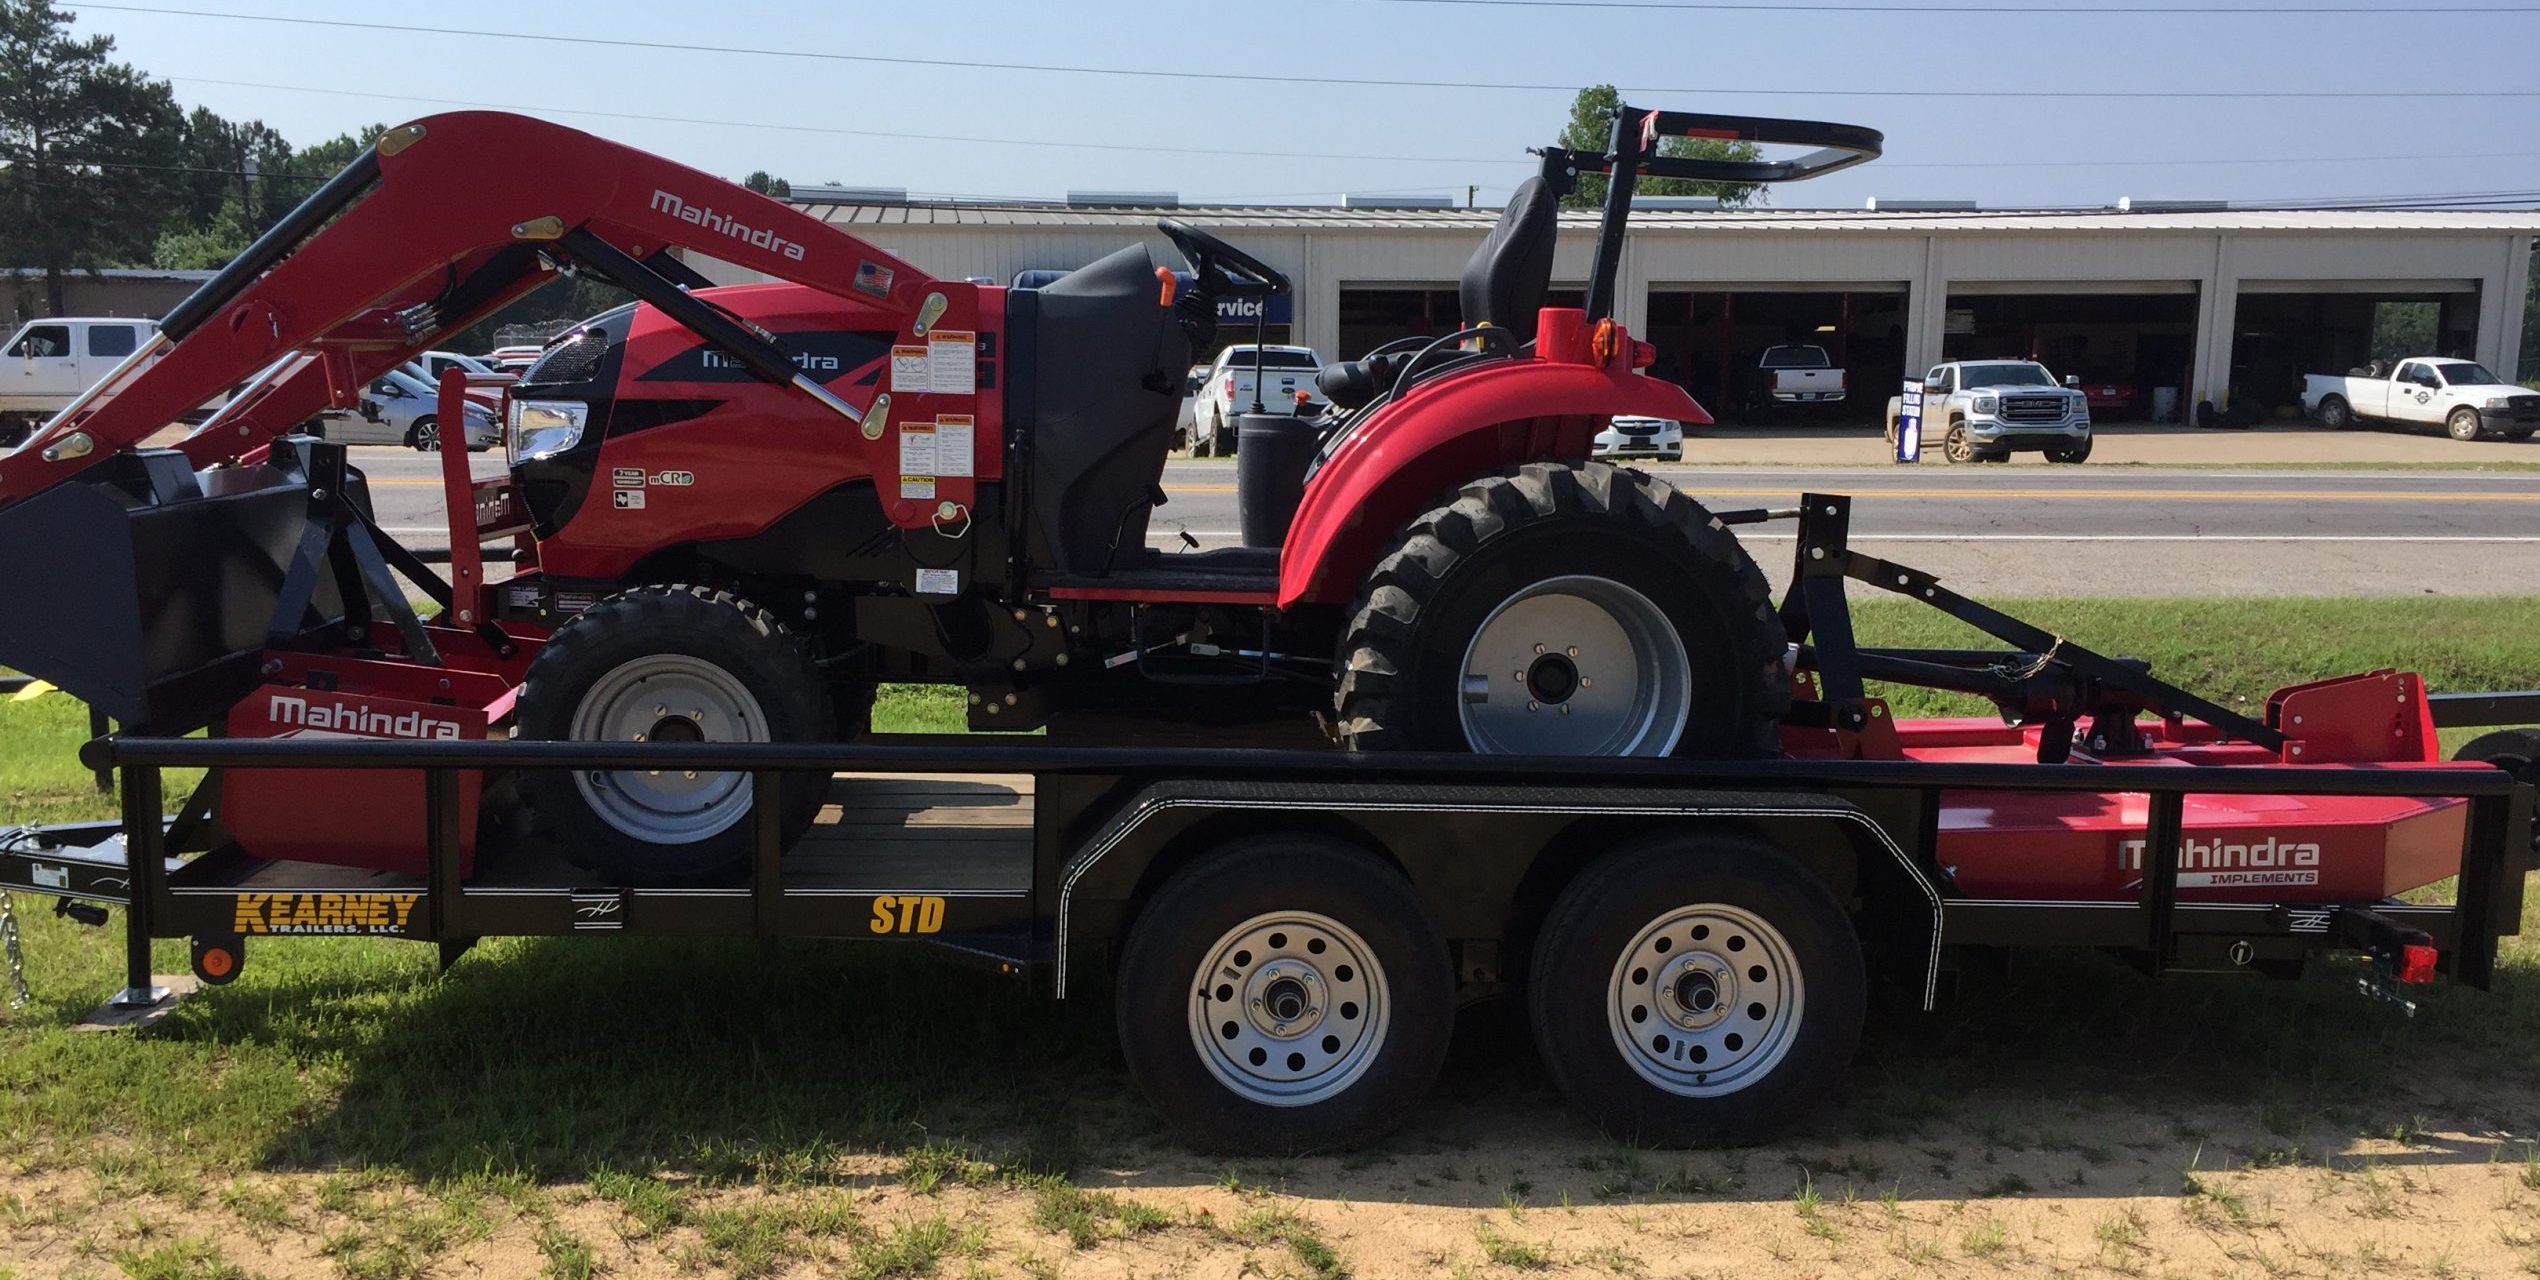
(738, 510)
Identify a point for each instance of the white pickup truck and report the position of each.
(2460, 396)
(1795, 375)
(1225, 393)
(48, 362)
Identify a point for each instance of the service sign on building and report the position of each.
(1909, 422)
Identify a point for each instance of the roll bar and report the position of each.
(1632, 150)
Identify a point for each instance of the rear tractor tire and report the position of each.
(671, 664)
(1565, 610)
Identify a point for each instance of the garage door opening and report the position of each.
(2279, 337)
(1372, 316)
(1714, 344)
(2132, 351)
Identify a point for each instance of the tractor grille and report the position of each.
(2032, 408)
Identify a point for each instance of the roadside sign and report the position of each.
(1909, 422)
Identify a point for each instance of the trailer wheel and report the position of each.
(2334, 413)
(1286, 994)
(2516, 751)
(2463, 424)
(1565, 610)
(669, 664)
(1693, 989)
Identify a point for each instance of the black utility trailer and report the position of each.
(1291, 931)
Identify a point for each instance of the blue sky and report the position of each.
(309, 82)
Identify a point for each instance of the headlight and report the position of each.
(544, 428)
(1986, 404)
(2500, 403)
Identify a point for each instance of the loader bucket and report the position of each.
(147, 590)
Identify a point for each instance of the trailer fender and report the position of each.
(1466, 424)
(1112, 865)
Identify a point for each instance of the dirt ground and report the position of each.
(2116, 1193)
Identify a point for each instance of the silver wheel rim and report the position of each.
(2464, 426)
(1705, 1001)
(1575, 666)
(1290, 1009)
(668, 697)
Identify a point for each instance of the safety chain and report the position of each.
(19, 995)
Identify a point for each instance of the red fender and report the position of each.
(1401, 461)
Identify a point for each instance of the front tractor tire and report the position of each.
(1696, 989)
(669, 664)
(1285, 994)
(1565, 610)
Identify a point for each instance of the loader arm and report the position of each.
(441, 223)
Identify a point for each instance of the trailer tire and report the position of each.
(2463, 424)
(1321, 925)
(735, 674)
(2516, 751)
(2334, 413)
(1669, 606)
(1757, 955)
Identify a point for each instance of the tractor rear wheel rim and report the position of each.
(1289, 1009)
(1706, 1000)
(668, 697)
(1576, 666)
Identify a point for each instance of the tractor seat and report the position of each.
(1503, 286)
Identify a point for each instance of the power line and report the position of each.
(2057, 11)
(783, 127)
(1219, 77)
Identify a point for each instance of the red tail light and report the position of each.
(2416, 963)
(1230, 386)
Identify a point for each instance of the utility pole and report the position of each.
(1471, 193)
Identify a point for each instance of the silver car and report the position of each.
(399, 408)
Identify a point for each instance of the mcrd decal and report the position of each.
(323, 912)
(907, 913)
(726, 224)
(674, 479)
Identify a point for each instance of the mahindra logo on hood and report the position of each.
(346, 718)
(726, 224)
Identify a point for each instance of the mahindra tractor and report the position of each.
(731, 513)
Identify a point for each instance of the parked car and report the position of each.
(1191, 384)
(1226, 393)
(399, 408)
(513, 360)
(2459, 395)
(1631, 436)
(2109, 398)
(435, 363)
(1987, 410)
(50, 361)
(1795, 375)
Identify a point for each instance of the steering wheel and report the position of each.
(1221, 268)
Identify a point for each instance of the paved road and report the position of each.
(2018, 530)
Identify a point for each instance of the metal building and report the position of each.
(2189, 305)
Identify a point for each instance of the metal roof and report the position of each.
(1334, 218)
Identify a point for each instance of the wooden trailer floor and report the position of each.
(882, 833)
